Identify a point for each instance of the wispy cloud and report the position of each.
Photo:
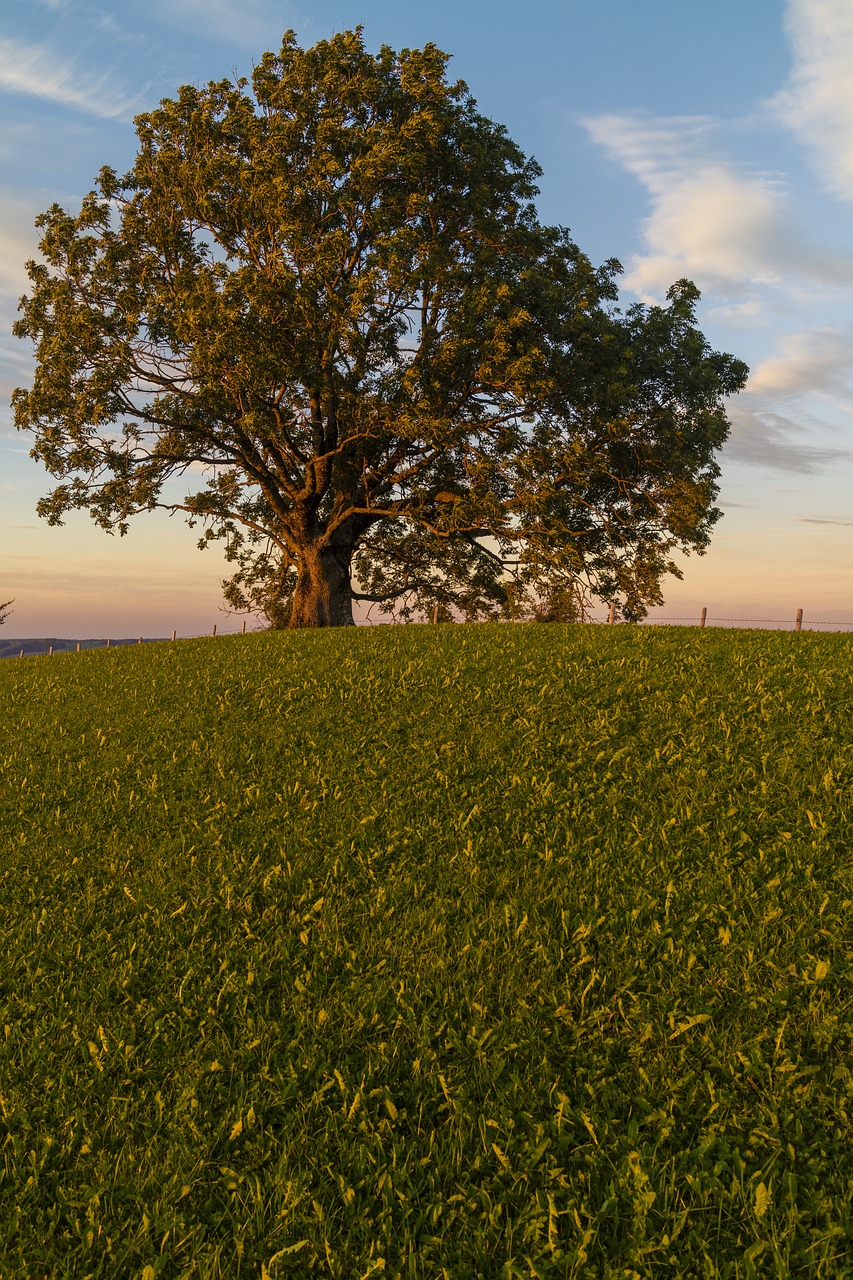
(729, 230)
(258, 26)
(844, 524)
(765, 438)
(18, 243)
(818, 103)
(40, 71)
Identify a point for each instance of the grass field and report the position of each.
(488, 951)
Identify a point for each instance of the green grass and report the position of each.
(489, 951)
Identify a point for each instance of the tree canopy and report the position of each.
(326, 301)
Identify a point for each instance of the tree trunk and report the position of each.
(323, 593)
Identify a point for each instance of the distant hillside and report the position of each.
(11, 648)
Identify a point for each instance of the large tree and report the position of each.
(329, 301)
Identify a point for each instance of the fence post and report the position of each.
(798, 625)
(612, 617)
(173, 635)
(140, 639)
(78, 646)
(50, 652)
(214, 630)
(21, 653)
(243, 632)
(704, 616)
(108, 642)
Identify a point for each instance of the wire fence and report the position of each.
(47, 648)
(794, 623)
(779, 623)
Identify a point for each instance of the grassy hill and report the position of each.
(489, 951)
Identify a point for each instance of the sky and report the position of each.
(713, 141)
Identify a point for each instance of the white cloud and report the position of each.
(738, 233)
(818, 103)
(731, 231)
(740, 315)
(38, 70)
(820, 360)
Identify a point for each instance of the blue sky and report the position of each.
(708, 140)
